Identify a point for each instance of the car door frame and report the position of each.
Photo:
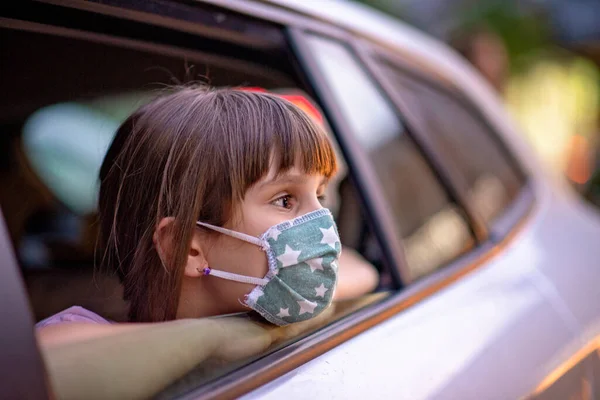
(21, 362)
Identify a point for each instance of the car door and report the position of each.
(23, 373)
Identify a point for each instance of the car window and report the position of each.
(464, 139)
(432, 226)
(56, 132)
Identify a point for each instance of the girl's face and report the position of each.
(272, 200)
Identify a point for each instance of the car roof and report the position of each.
(377, 26)
(422, 49)
(363, 21)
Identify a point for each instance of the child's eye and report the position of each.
(284, 202)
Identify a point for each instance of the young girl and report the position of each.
(210, 204)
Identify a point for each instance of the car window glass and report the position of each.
(433, 227)
(56, 132)
(361, 103)
(463, 138)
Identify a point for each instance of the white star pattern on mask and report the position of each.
(275, 233)
(329, 237)
(306, 307)
(315, 264)
(284, 312)
(321, 290)
(290, 257)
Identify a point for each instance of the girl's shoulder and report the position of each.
(73, 314)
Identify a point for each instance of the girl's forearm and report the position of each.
(138, 363)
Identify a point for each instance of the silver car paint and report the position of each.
(497, 332)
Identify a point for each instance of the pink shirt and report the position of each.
(73, 314)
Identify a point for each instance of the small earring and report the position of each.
(205, 271)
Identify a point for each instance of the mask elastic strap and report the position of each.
(238, 235)
(235, 277)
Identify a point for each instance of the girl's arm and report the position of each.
(72, 332)
(135, 361)
(357, 276)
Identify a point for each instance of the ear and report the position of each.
(195, 263)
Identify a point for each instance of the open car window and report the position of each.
(493, 179)
(57, 132)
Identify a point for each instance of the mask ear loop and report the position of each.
(234, 277)
(263, 244)
(238, 235)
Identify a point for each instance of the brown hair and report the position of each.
(192, 155)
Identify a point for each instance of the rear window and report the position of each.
(461, 135)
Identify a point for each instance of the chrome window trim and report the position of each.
(518, 209)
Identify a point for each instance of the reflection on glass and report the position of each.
(436, 242)
(463, 138)
(435, 232)
(367, 112)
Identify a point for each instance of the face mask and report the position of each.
(302, 255)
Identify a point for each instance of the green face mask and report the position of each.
(302, 256)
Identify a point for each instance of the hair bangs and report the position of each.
(302, 143)
(278, 134)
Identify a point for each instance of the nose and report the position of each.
(312, 205)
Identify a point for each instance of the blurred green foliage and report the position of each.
(525, 31)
